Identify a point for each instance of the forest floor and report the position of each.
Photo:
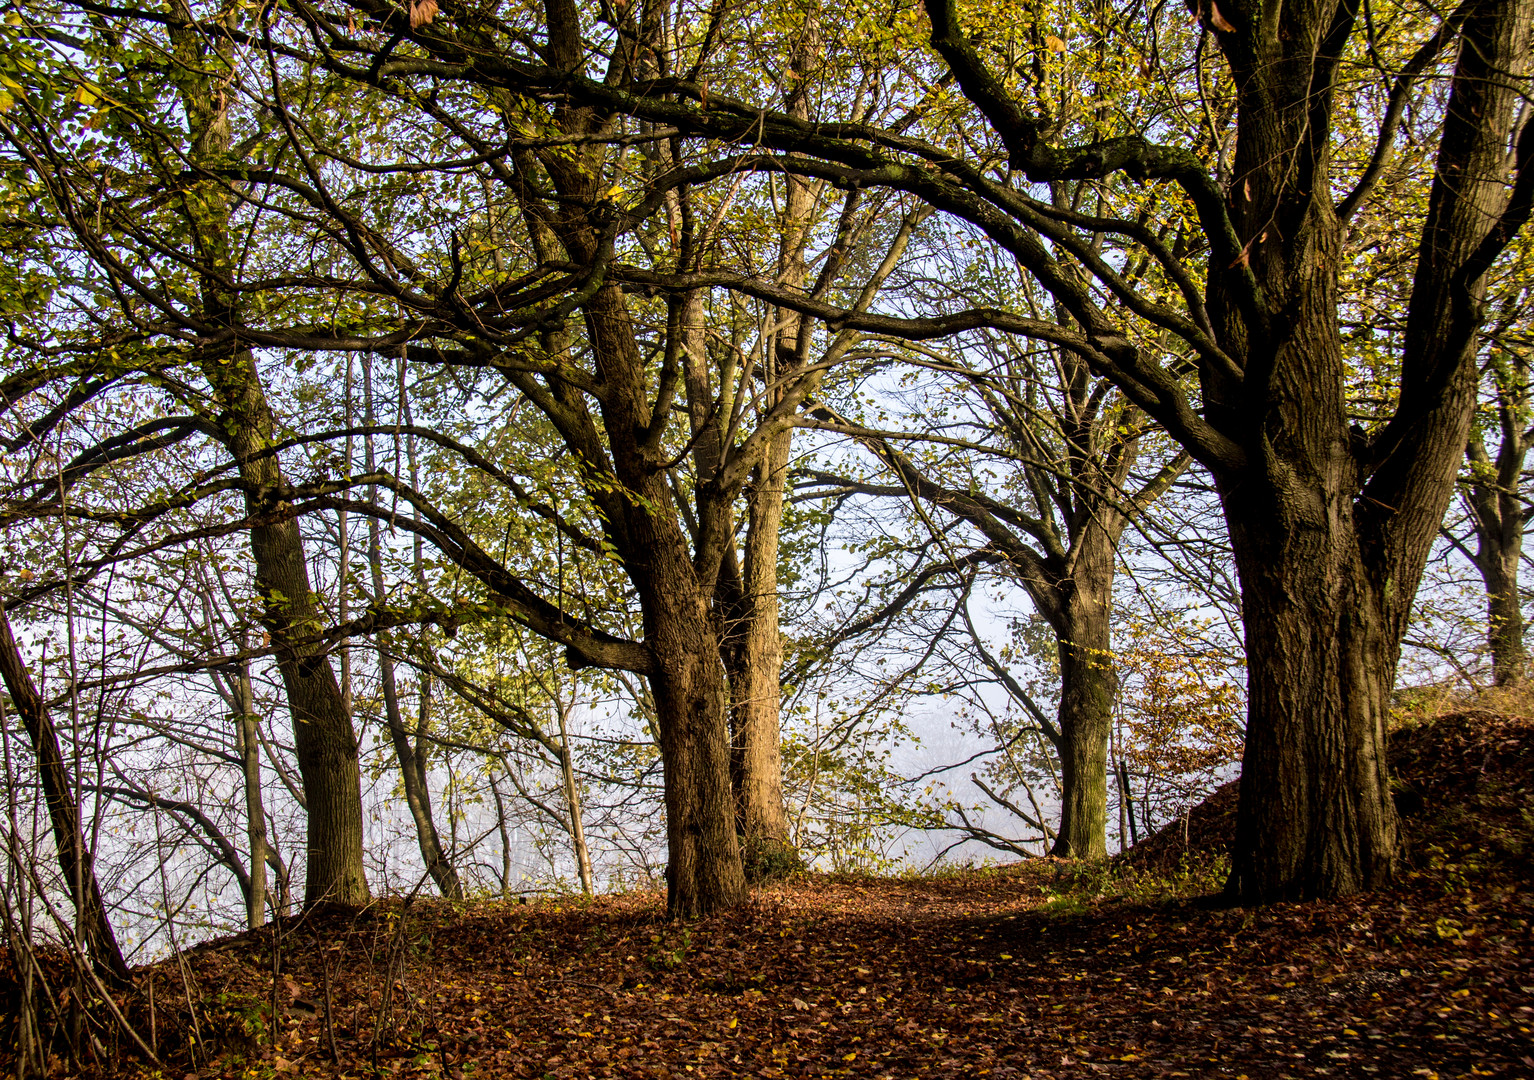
(1038, 970)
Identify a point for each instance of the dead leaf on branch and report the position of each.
(422, 12)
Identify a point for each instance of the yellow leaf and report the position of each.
(6, 80)
(85, 97)
(849, 1057)
(733, 1021)
(1054, 44)
(615, 192)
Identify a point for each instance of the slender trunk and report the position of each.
(573, 804)
(74, 858)
(413, 778)
(411, 766)
(1504, 612)
(255, 811)
(756, 689)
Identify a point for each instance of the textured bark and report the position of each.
(1315, 816)
(704, 873)
(323, 739)
(1330, 533)
(1088, 686)
(1504, 612)
(63, 813)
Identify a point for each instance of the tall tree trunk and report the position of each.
(323, 738)
(756, 680)
(704, 874)
(1088, 684)
(74, 857)
(1331, 528)
(756, 692)
(1504, 610)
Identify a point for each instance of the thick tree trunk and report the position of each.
(74, 857)
(1087, 687)
(704, 873)
(1315, 816)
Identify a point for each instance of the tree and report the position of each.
(1492, 490)
(1039, 464)
(1330, 525)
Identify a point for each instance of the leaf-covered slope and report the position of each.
(1042, 970)
(1464, 778)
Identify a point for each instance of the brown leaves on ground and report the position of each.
(1026, 971)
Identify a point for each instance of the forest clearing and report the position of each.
(1040, 969)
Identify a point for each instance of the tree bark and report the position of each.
(756, 692)
(705, 873)
(1498, 517)
(1315, 816)
(1088, 686)
(74, 857)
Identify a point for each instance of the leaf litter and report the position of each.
(1027, 972)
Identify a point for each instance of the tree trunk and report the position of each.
(323, 738)
(322, 729)
(413, 778)
(1315, 816)
(74, 858)
(573, 804)
(255, 810)
(1331, 529)
(755, 683)
(704, 874)
(1087, 688)
(412, 768)
(1504, 611)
